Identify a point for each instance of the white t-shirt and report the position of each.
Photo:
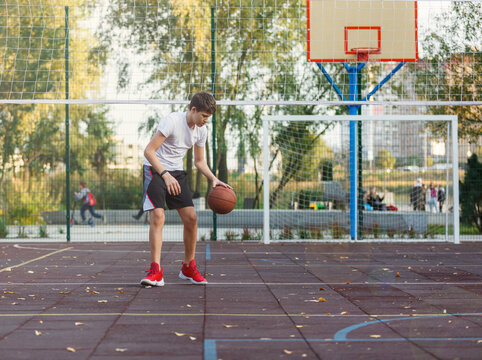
(179, 139)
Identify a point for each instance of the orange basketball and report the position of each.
(222, 200)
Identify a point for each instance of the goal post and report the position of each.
(409, 161)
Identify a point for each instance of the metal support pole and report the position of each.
(213, 91)
(67, 126)
(360, 162)
(353, 86)
(455, 178)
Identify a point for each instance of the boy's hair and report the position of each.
(203, 101)
(83, 183)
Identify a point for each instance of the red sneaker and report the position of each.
(154, 278)
(189, 272)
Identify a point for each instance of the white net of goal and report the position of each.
(403, 178)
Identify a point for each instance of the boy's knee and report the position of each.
(157, 218)
(190, 219)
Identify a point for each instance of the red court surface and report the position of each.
(279, 301)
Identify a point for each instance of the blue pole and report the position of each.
(353, 85)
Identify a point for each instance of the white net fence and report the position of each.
(256, 53)
(125, 64)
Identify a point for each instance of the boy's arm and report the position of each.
(203, 167)
(157, 140)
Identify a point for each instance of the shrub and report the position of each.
(3, 228)
(471, 193)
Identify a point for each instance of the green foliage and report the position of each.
(455, 43)
(337, 231)
(122, 189)
(384, 160)
(286, 233)
(24, 203)
(42, 231)
(307, 196)
(471, 193)
(231, 235)
(22, 234)
(3, 228)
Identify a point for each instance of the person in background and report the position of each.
(441, 197)
(88, 202)
(424, 197)
(417, 196)
(375, 201)
(432, 197)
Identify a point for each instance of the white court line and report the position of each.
(244, 283)
(263, 252)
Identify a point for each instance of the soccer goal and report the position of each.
(405, 188)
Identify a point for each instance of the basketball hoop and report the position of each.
(362, 53)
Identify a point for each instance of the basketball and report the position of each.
(222, 200)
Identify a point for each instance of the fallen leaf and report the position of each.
(397, 274)
(71, 349)
(344, 313)
(229, 326)
(375, 336)
(120, 349)
(40, 322)
(94, 292)
(328, 313)
(385, 269)
(79, 324)
(343, 257)
(299, 326)
(188, 305)
(322, 299)
(38, 333)
(347, 282)
(101, 301)
(121, 291)
(179, 334)
(192, 338)
(287, 352)
(322, 289)
(30, 272)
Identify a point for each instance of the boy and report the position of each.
(165, 182)
(88, 202)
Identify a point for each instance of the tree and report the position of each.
(453, 66)
(384, 160)
(259, 54)
(32, 39)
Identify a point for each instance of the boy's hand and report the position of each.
(217, 182)
(172, 185)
